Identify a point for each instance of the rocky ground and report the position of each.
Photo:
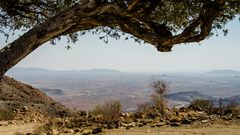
(182, 121)
(215, 129)
(176, 123)
(43, 116)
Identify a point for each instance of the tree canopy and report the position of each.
(162, 23)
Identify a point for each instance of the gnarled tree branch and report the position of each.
(90, 15)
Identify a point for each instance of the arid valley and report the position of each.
(87, 88)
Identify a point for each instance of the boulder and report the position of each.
(159, 124)
(175, 124)
(77, 130)
(204, 121)
(54, 132)
(97, 130)
(175, 119)
(127, 120)
(129, 125)
(186, 121)
(25, 109)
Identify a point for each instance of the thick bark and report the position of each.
(11, 54)
(90, 15)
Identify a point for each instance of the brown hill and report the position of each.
(15, 95)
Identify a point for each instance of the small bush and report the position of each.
(143, 107)
(47, 127)
(110, 111)
(202, 104)
(6, 115)
(236, 110)
(221, 109)
(161, 90)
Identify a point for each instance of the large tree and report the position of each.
(162, 23)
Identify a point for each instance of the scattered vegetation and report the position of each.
(236, 110)
(220, 109)
(42, 129)
(143, 107)
(110, 111)
(201, 104)
(6, 115)
(160, 91)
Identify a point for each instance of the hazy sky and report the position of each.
(90, 53)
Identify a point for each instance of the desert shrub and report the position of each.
(223, 109)
(143, 107)
(220, 109)
(236, 110)
(110, 111)
(47, 127)
(7, 115)
(160, 91)
(233, 108)
(42, 129)
(202, 104)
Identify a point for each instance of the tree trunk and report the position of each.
(14, 52)
(90, 15)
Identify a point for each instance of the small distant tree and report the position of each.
(161, 89)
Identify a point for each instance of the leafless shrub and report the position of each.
(160, 87)
(110, 111)
(224, 109)
(160, 91)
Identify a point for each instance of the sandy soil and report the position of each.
(13, 129)
(182, 130)
(216, 129)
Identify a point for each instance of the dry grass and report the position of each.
(110, 111)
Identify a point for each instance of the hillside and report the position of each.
(16, 95)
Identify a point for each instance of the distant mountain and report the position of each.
(101, 71)
(29, 72)
(224, 72)
(16, 72)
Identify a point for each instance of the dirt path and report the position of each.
(165, 130)
(182, 130)
(13, 129)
